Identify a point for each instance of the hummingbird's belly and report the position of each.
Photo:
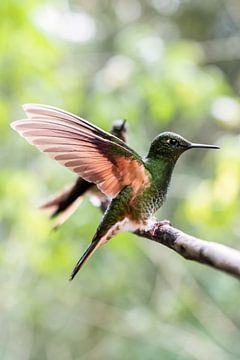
(147, 202)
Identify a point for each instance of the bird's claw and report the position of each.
(164, 222)
(159, 224)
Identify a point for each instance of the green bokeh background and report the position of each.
(162, 65)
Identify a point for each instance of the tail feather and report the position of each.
(112, 223)
(87, 254)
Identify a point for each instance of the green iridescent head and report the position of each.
(170, 145)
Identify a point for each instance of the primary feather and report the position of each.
(92, 153)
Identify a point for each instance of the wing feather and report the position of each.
(92, 153)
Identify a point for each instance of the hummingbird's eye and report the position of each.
(172, 142)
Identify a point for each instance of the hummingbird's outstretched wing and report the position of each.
(92, 153)
(63, 204)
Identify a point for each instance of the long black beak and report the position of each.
(203, 146)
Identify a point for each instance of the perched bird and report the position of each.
(64, 203)
(136, 186)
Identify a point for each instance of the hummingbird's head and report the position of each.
(170, 145)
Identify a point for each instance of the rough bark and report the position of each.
(213, 254)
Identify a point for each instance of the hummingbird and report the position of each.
(63, 204)
(136, 186)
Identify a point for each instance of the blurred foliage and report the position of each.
(163, 65)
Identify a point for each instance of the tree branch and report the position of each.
(216, 255)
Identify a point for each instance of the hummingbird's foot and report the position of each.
(157, 225)
(164, 222)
